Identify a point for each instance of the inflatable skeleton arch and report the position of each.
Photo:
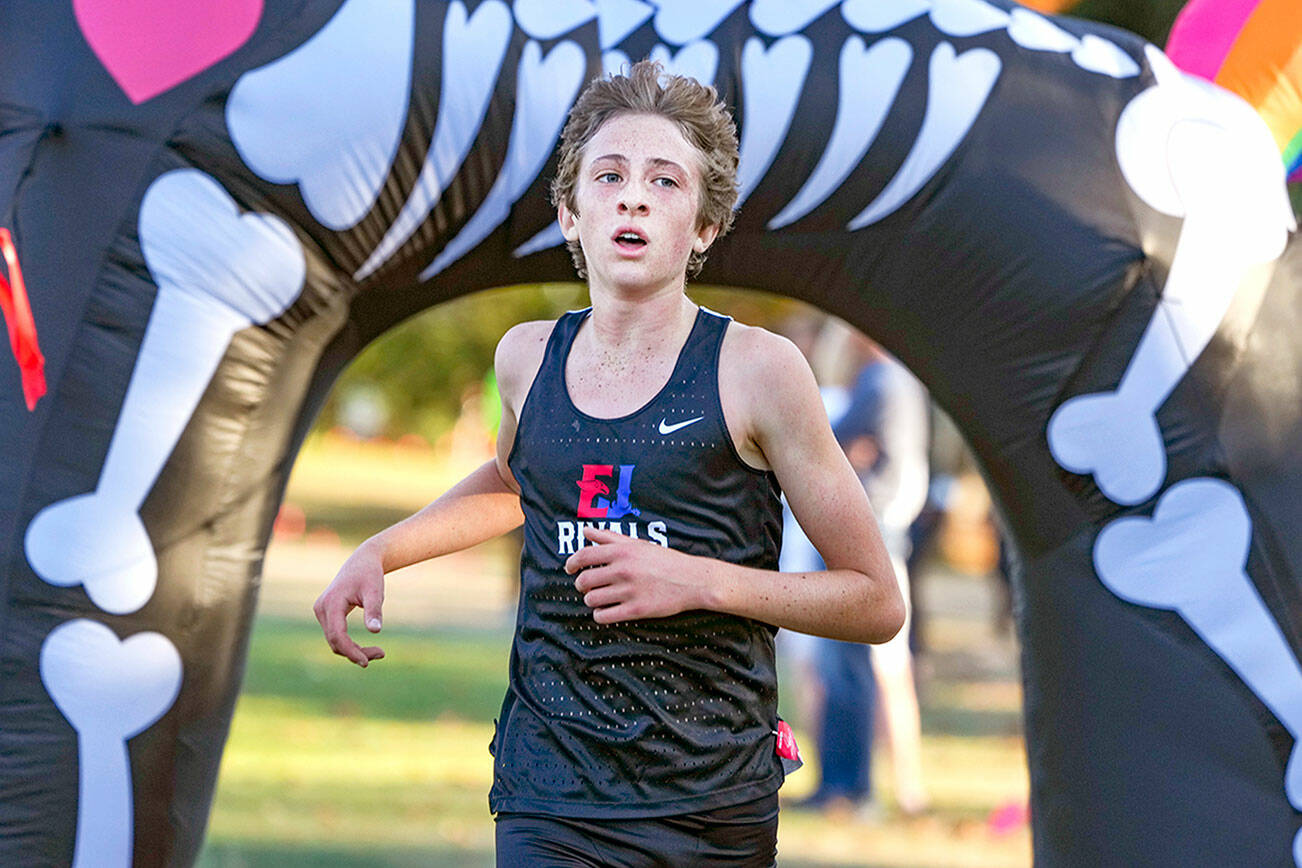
(1084, 254)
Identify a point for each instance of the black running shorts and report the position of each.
(738, 836)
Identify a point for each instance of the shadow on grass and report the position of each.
(944, 712)
(233, 855)
(315, 856)
(956, 720)
(353, 522)
(426, 673)
(462, 672)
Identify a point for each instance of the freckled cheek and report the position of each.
(683, 249)
(687, 234)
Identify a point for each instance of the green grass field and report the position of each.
(331, 765)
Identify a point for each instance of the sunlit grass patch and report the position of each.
(426, 674)
(331, 764)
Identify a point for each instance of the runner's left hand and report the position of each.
(626, 579)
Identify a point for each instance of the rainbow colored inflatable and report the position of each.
(1254, 48)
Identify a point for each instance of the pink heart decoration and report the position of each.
(150, 46)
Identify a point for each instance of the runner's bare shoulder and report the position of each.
(762, 375)
(518, 357)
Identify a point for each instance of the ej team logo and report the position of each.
(592, 485)
(595, 502)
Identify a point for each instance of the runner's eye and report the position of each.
(608, 178)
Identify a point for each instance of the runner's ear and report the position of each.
(568, 222)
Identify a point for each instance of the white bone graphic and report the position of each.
(772, 81)
(956, 18)
(329, 115)
(878, 16)
(473, 51)
(1033, 31)
(217, 272)
(547, 87)
(548, 19)
(781, 17)
(544, 240)
(967, 17)
(616, 19)
(109, 691)
(859, 117)
(957, 90)
(1097, 54)
(959, 18)
(684, 21)
(1201, 153)
(1191, 558)
(698, 60)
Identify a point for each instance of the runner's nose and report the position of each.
(633, 199)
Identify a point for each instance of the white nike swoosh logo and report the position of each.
(669, 429)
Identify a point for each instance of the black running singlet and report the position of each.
(642, 718)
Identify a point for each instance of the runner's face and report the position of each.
(637, 198)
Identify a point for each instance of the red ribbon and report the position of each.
(786, 746)
(22, 328)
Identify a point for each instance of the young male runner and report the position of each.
(644, 443)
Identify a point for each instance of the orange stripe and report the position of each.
(1050, 7)
(1267, 43)
(1281, 107)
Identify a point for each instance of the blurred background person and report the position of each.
(884, 431)
(826, 343)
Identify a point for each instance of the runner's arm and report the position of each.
(857, 597)
(483, 505)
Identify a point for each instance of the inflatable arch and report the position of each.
(1086, 255)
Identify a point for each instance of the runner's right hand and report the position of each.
(359, 584)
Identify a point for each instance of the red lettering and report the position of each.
(590, 486)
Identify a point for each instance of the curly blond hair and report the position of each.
(696, 108)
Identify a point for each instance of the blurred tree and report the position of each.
(1151, 19)
(422, 369)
